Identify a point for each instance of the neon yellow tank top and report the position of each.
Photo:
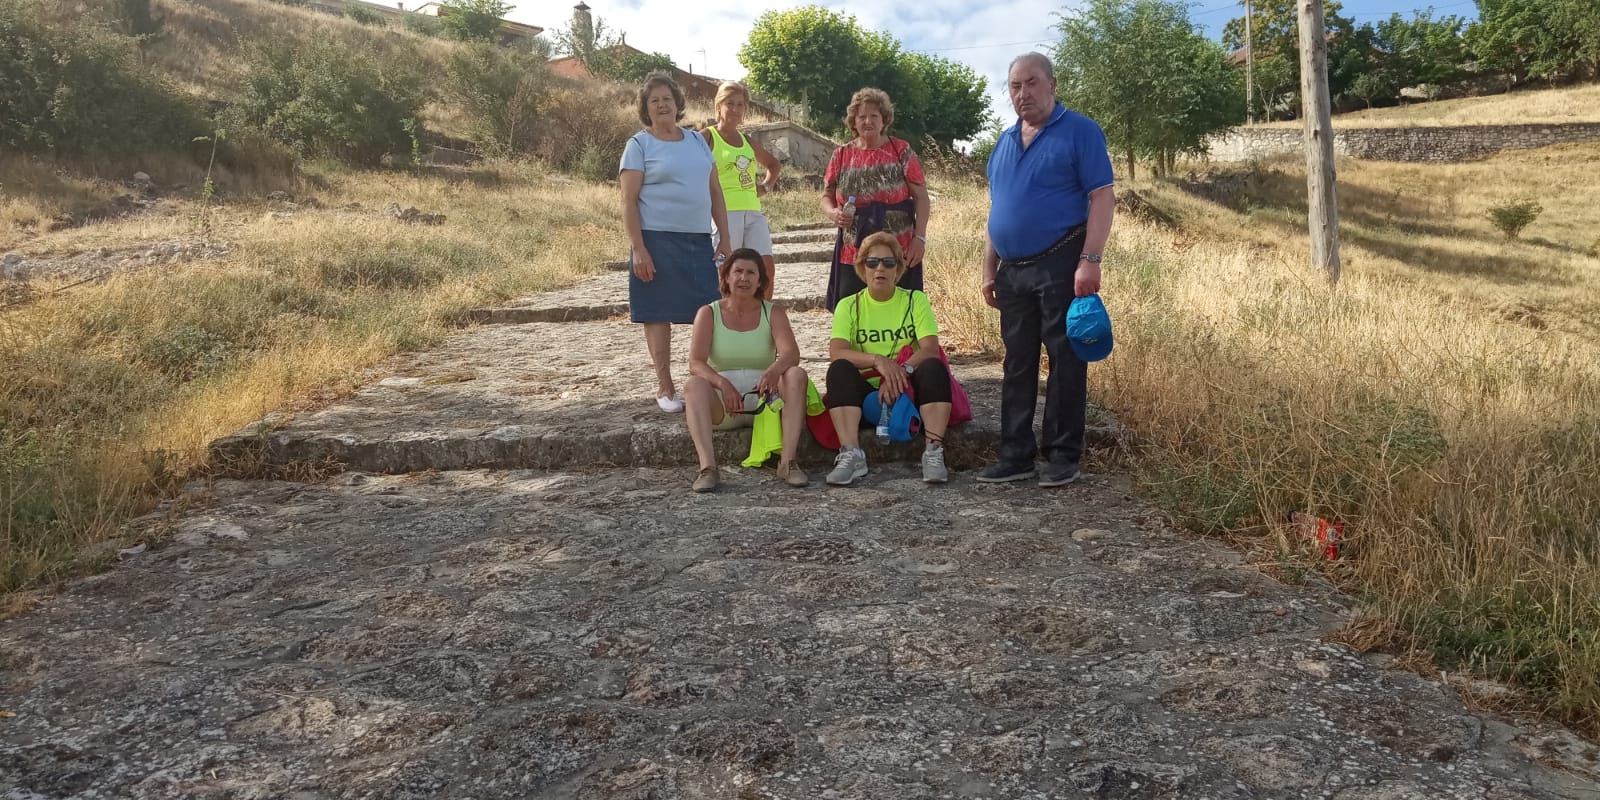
(736, 170)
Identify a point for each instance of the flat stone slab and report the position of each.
(807, 248)
(607, 635)
(816, 236)
(800, 286)
(557, 395)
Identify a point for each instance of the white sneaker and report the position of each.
(671, 405)
(933, 468)
(848, 467)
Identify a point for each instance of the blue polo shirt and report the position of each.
(1038, 194)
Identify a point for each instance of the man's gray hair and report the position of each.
(1036, 59)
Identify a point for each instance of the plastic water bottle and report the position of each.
(883, 421)
(849, 207)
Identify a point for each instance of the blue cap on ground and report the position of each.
(1089, 328)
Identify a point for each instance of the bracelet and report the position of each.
(919, 237)
(1092, 258)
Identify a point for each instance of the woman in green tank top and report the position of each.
(736, 157)
(742, 357)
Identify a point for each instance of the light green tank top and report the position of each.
(736, 170)
(731, 350)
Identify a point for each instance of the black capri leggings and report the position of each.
(846, 387)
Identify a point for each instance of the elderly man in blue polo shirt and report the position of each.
(1050, 209)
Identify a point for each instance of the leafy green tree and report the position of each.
(1398, 53)
(1537, 39)
(473, 19)
(1154, 82)
(957, 105)
(818, 58)
(810, 56)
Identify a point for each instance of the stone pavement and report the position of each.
(599, 632)
(565, 382)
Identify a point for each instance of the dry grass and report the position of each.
(1567, 104)
(32, 192)
(1459, 442)
(111, 392)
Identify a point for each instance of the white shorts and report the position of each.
(749, 229)
(744, 380)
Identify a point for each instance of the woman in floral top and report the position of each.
(891, 194)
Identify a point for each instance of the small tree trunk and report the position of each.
(1132, 170)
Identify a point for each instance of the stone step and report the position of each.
(554, 395)
(800, 287)
(811, 226)
(824, 236)
(793, 252)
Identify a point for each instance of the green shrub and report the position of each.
(363, 15)
(322, 98)
(473, 19)
(423, 24)
(595, 164)
(502, 93)
(1512, 217)
(79, 91)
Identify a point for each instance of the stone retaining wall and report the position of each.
(1435, 144)
(795, 145)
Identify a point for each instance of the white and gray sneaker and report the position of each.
(933, 469)
(850, 465)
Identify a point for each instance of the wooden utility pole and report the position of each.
(1316, 113)
(1249, 67)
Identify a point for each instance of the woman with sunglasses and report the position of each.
(871, 328)
(743, 357)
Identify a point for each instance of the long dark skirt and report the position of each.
(685, 280)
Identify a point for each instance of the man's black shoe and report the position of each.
(1005, 473)
(1058, 475)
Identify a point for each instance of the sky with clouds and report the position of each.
(983, 35)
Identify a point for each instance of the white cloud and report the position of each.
(983, 36)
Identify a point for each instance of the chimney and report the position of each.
(582, 25)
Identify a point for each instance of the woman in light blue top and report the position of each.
(670, 200)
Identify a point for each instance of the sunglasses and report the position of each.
(874, 262)
(765, 400)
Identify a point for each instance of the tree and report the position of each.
(1275, 45)
(1537, 39)
(473, 19)
(623, 63)
(1154, 82)
(603, 54)
(818, 58)
(810, 56)
(957, 105)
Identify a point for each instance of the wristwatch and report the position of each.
(910, 368)
(1092, 258)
